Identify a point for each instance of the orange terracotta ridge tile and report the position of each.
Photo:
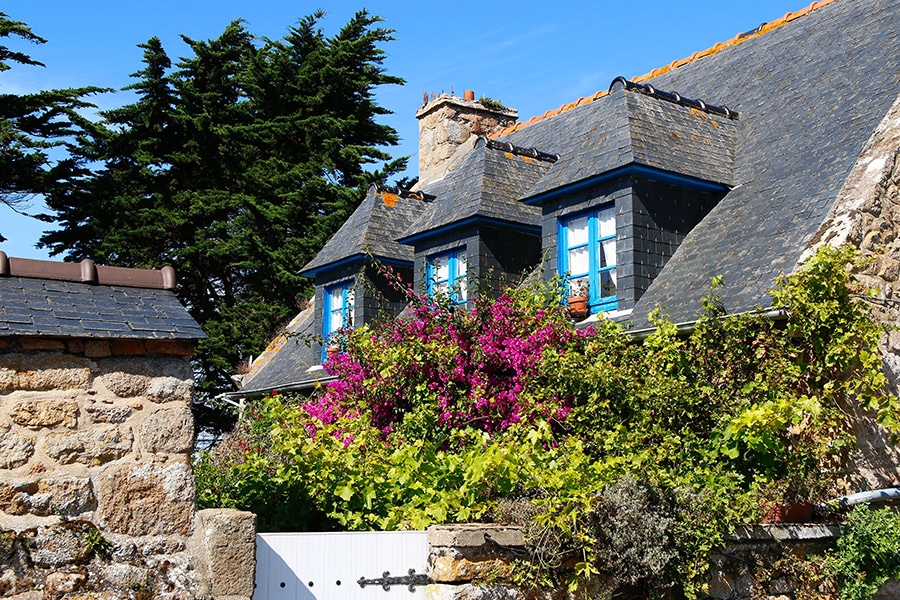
(675, 64)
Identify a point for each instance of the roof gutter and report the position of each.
(774, 314)
(882, 495)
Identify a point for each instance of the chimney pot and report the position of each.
(469, 94)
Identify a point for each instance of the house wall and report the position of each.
(617, 192)
(505, 256)
(467, 238)
(867, 215)
(494, 256)
(96, 444)
(381, 296)
(328, 279)
(374, 294)
(653, 222)
(652, 219)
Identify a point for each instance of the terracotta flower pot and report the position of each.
(792, 512)
(578, 307)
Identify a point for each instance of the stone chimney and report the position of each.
(446, 122)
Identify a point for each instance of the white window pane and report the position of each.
(336, 299)
(579, 261)
(442, 287)
(607, 220)
(608, 283)
(607, 253)
(460, 263)
(441, 269)
(463, 290)
(577, 231)
(351, 298)
(335, 321)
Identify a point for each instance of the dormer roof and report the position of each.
(635, 125)
(486, 184)
(371, 230)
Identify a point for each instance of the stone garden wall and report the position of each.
(476, 562)
(96, 486)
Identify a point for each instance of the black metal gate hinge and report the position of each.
(411, 580)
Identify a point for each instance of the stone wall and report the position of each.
(96, 486)
(867, 216)
(474, 562)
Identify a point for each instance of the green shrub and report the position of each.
(599, 443)
(867, 553)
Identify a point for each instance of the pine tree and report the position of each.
(32, 124)
(235, 168)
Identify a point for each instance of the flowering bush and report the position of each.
(451, 415)
(442, 369)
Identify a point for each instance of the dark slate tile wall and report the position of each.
(505, 256)
(380, 297)
(467, 238)
(652, 219)
(617, 192)
(333, 277)
(651, 229)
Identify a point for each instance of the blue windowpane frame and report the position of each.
(587, 256)
(338, 312)
(446, 274)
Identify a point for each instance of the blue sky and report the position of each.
(533, 56)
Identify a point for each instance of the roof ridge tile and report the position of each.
(740, 38)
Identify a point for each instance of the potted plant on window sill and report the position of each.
(578, 299)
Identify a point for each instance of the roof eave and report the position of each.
(312, 272)
(415, 238)
(629, 170)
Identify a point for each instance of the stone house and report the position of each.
(735, 162)
(96, 485)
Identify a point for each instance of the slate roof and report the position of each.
(283, 366)
(487, 182)
(624, 128)
(55, 305)
(810, 95)
(371, 229)
(807, 105)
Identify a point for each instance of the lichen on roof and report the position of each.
(675, 64)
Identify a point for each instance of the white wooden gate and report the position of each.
(329, 566)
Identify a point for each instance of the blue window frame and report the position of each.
(446, 274)
(338, 310)
(587, 256)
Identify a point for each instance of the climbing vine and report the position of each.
(624, 459)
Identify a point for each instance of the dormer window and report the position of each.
(339, 302)
(447, 275)
(587, 256)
